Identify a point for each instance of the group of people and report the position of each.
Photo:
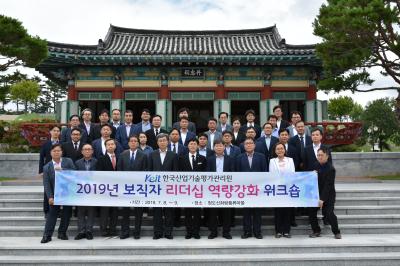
(278, 147)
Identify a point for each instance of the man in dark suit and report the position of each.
(72, 149)
(300, 141)
(125, 130)
(280, 123)
(212, 133)
(116, 118)
(290, 149)
(250, 117)
(219, 163)
(86, 214)
(45, 157)
(174, 144)
(57, 163)
(230, 149)
(250, 133)
(108, 215)
(99, 146)
(184, 112)
(143, 125)
(104, 119)
(265, 144)
(295, 117)
(163, 160)
(87, 126)
(185, 136)
(202, 148)
(132, 160)
(310, 151)
(192, 162)
(156, 129)
(66, 131)
(223, 122)
(251, 161)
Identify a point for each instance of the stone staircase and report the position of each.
(368, 213)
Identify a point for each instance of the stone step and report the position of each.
(29, 231)
(279, 259)
(266, 220)
(19, 246)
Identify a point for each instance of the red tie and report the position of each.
(113, 161)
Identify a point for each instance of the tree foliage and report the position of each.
(26, 91)
(340, 108)
(18, 46)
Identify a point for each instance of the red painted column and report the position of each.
(164, 93)
(220, 92)
(72, 93)
(312, 92)
(266, 92)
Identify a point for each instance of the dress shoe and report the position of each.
(168, 236)
(212, 235)
(188, 236)
(62, 236)
(80, 236)
(278, 235)
(338, 236)
(196, 236)
(124, 236)
(293, 224)
(227, 236)
(287, 235)
(136, 236)
(246, 235)
(89, 235)
(258, 236)
(155, 237)
(45, 239)
(314, 235)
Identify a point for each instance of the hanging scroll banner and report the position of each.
(186, 189)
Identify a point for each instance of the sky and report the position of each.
(86, 21)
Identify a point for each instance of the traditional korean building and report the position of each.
(206, 71)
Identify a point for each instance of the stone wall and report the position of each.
(347, 164)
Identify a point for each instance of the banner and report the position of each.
(186, 189)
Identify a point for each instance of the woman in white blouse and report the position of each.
(281, 165)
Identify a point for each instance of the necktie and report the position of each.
(250, 158)
(174, 148)
(133, 158)
(76, 146)
(156, 131)
(193, 160)
(302, 146)
(113, 161)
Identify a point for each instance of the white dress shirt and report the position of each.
(162, 156)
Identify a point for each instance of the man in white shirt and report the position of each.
(212, 133)
(223, 122)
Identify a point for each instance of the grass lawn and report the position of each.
(388, 177)
(6, 178)
(28, 117)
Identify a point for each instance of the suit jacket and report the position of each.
(49, 175)
(257, 128)
(66, 135)
(261, 147)
(98, 151)
(122, 137)
(295, 142)
(310, 161)
(217, 136)
(229, 165)
(209, 152)
(191, 127)
(104, 163)
(151, 137)
(200, 163)
(138, 128)
(189, 136)
(234, 152)
(306, 131)
(170, 161)
(292, 153)
(181, 149)
(70, 152)
(239, 139)
(284, 124)
(326, 182)
(80, 164)
(44, 155)
(274, 166)
(139, 164)
(93, 134)
(228, 127)
(258, 164)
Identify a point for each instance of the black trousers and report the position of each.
(125, 223)
(252, 220)
(46, 206)
(108, 219)
(192, 220)
(85, 219)
(51, 219)
(163, 221)
(224, 215)
(329, 215)
(283, 218)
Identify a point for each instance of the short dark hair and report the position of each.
(250, 111)
(295, 113)
(218, 141)
(249, 138)
(283, 130)
(55, 126)
(128, 111)
(76, 129)
(267, 123)
(317, 129)
(219, 115)
(162, 135)
(203, 135)
(184, 118)
(213, 119)
(276, 107)
(116, 109)
(324, 150)
(104, 111)
(106, 125)
(74, 115)
(105, 142)
(156, 116)
(236, 118)
(272, 116)
(55, 146)
(174, 130)
(133, 136)
(227, 132)
(183, 109)
(195, 140)
(301, 121)
(251, 127)
(146, 110)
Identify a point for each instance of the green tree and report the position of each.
(18, 46)
(356, 112)
(380, 122)
(6, 81)
(26, 91)
(340, 108)
(356, 36)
